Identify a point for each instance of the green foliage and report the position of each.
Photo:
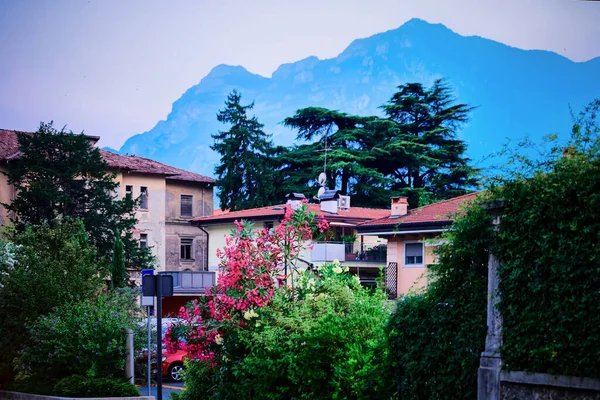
(413, 152)
(118, 271)
(324, 341)
(81, 338)
(436, 337)
(550, 270)
(39, 270)
(60, 175)
(245, 171)
(84, 386)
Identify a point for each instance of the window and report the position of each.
(143, 240)
(128, 191)
(186, 249)
(186, 205)
(268, 225)
(143, 198)
(413, 254)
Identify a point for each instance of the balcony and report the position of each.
(345, 252)
(191, 282)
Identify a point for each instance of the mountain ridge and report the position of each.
(510, 86)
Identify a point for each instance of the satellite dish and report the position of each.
(320, 192)
(322, 178)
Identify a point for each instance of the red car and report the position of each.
(172, 365)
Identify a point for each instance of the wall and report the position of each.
(409, 278)
(178, 227)
(521, 385)
(151, 221)
(6, 196)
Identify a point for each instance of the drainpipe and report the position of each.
(206, 252)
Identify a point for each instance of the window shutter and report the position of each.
(186, 205)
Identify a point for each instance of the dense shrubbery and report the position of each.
(436, 337)
(83, 338)
(84, 386)
(39, 270)
(324, 340)
(550, 250)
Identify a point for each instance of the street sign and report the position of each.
(150, 282)
(147, 300)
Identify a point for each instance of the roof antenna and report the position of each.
(323, 175)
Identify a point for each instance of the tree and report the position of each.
(339, 150)
(118, 271)
(41, 269)
(60, 175)
(245, 170)
(422, 153)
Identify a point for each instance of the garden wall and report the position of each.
(6, 395)
(521, 386)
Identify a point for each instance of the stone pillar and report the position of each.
(490, 364)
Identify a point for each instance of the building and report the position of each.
(362, 254)
(410, 236)
(169, 198)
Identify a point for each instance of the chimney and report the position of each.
(295, 200)
(399, 206)
(329, 201)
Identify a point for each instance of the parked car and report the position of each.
(173, 367)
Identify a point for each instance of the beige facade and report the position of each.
(171, 198)
(410, 277)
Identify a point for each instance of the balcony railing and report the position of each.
(329, 251)
(191, 282)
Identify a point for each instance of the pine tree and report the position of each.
(422, 153)
(245, 172)
(61, 176)
(338, 148)
(118, 271)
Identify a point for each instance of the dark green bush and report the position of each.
(83, 338)
(83, 386)
(550, 271)
(436, 338)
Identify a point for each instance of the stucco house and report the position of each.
(169, 198)
(409, 250)
(363, 254)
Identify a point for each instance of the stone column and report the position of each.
(490, 364)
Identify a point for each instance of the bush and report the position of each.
(84, 338)
(82, 386)
(39, 270)
(550, 271)
(436, 338)
(325, 340)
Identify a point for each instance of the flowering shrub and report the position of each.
(324, 339)
(252, 269)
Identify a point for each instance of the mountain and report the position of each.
(517, 92)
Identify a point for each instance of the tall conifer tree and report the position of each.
(245, 171)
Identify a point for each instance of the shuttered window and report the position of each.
(413, 253)
(186, 205)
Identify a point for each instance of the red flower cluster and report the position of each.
(251, 271)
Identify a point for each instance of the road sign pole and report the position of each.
(149, 352)
(159, 337)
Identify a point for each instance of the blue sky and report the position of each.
(113, 68)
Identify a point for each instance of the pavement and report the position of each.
(167, 389)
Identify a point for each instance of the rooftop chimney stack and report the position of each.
(329, 201)
(295, 200)
(399, 206)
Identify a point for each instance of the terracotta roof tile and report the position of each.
(9, 148)
(356, 214)
(442, 211)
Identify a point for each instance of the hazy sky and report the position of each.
(114, 67)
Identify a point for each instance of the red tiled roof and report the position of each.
(9, 148)
(442, 212)
(9, 144)
(356, 214)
